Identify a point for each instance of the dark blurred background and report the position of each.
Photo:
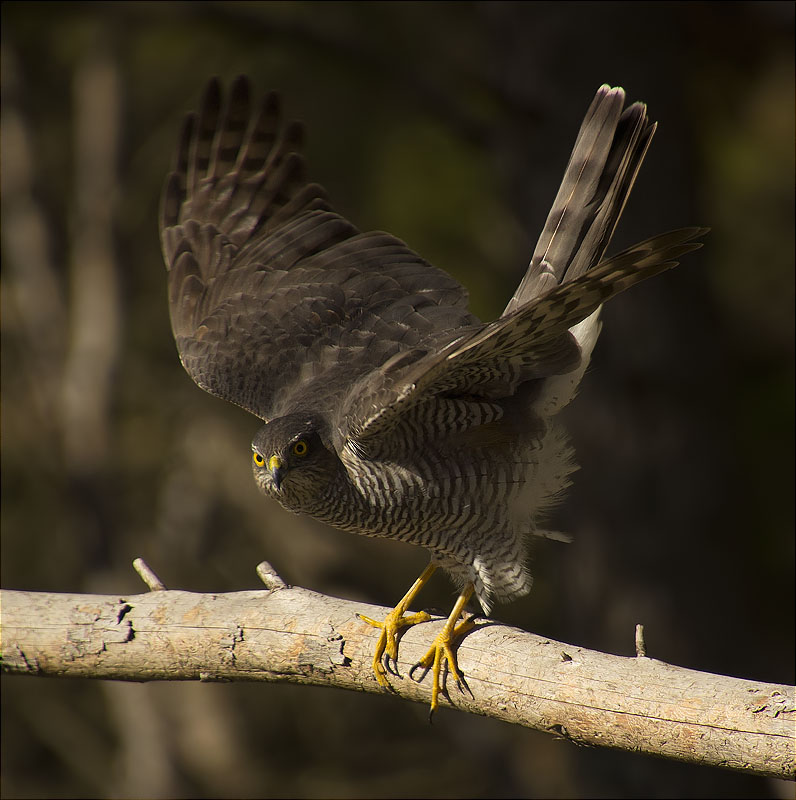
(448, 124)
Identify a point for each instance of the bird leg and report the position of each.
(443, 648)
(393, 622)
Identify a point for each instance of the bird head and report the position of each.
(290, 460)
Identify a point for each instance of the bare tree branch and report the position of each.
(293, 634)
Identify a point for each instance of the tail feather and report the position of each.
(603, 166)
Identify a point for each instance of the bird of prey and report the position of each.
(389, 409)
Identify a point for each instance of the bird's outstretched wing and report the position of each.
(566, 281)
(274, 297)
(532, 342)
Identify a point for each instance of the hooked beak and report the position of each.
(277, 469)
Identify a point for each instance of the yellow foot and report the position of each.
(393, 622)
(388, 642)
(443, 649)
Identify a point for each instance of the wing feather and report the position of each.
(275, 300)
(277, 303)
(567, 281)
(530, 343)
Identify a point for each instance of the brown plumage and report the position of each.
(390, 410)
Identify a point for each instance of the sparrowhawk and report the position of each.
(390, 409)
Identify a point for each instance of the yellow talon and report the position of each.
(388, 643)
(393, 622)
(443, 645)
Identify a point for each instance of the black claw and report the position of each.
(391, 667)
(412, 672)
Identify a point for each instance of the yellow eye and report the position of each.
(258, 459)
(300, 448)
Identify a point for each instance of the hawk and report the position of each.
(389, 409)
